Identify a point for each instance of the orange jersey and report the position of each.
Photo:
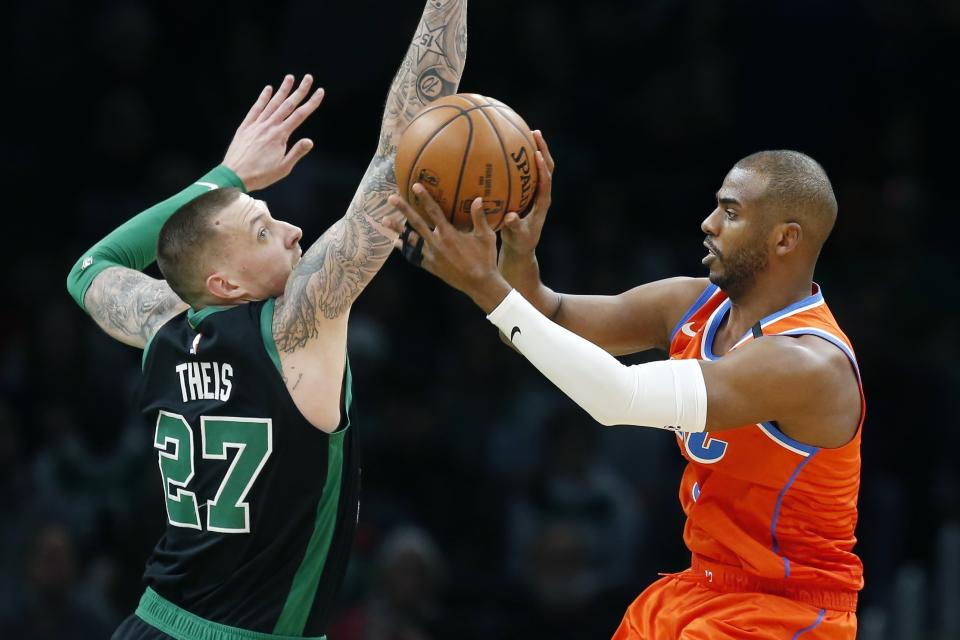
(765, 512)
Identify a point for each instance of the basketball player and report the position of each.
(245, 367)
(761, 389)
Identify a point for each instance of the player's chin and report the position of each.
(279, 284)
(715, 275)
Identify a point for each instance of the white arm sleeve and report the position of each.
(669, 394)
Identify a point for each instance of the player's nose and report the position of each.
(294, 233)
(709, 224)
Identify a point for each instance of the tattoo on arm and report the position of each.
(129, 305)
(333, 272)
(432, 67)
(338, 266)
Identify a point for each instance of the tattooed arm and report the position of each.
(131, 306)
(106, 281)
(310, 318)
(342, 262)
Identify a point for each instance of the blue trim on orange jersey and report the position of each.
(811, 299)
(712, 329)
(706, 295)
(772, 429)
(786, 567)
(829, 337)
(816, 622)
(776, 509)
(696, 491)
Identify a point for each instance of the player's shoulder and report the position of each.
(808, 357)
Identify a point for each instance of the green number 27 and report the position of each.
(227, 512)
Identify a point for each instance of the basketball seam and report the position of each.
(416, 158)
(506, 159)
(526, 134)
(463, 166)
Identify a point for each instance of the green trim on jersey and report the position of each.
(270, 344)
(299, 601)
(194, 318)
(266, 332)
(180, 624)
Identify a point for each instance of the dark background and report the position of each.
(492, 506)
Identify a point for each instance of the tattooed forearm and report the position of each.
(129, 305)
(334, 271)
(433, 65)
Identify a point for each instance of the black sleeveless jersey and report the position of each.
(261, 505)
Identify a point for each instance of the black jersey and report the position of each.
(261, 505)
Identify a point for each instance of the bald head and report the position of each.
(797, 190)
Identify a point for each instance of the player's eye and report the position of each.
(262, 235)
(731, 214)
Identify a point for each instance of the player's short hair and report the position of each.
(798, 189)
(185, 238)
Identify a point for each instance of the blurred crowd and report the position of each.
(492, 507)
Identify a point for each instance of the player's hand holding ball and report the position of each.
(466, 260)
(467, 166)
(521, 233)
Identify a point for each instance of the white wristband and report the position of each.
(668, 394)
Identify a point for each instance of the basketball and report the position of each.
(464, 146)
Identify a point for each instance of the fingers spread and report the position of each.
(258, 106)
(296, 153)
(282, 92)
(287, 106)
(303, 111)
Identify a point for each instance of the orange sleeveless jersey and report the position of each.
(765, 512)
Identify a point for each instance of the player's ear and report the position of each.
(789, 235)
(220, 286)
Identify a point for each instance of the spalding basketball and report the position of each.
(464, 146)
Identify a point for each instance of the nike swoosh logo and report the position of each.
(687, 329)
(514, 332)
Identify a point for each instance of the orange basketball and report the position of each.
(464, 146)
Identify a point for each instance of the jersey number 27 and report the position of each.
(227, 512)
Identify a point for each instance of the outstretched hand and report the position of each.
(258, 153)
(466, 260)
(521, 235)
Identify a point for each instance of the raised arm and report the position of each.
(338, 266)
(687, 395)
(107, 281)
